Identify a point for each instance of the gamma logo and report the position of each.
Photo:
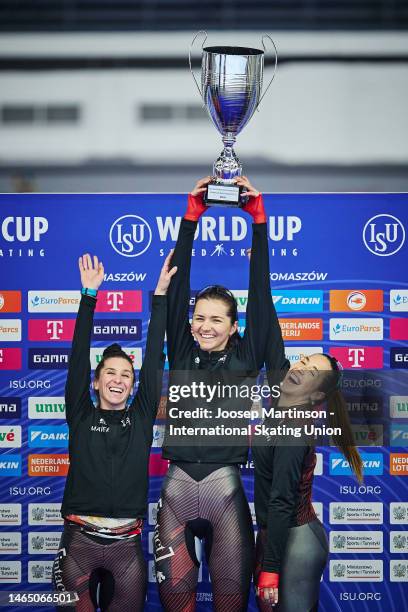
(130, 235)
(384, 235)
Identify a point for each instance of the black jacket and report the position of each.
(108, 472)
(241, 362)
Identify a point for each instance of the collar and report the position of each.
(213, 358)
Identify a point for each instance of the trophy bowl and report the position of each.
(231, 89)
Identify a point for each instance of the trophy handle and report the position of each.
(274, 70)
(189, 57)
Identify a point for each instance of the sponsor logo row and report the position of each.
(353, 358)
(348, 570)
(57, 358)
(55, 464)
(302, 300)
(340, 513)
(53, 407)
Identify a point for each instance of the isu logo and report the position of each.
(384, 235)
(130, 235)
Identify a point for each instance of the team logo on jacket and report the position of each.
(101, 427)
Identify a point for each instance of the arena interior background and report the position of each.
(332, 256)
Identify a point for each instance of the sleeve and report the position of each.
(148, 393)
(179, 339)
(259, 334)
(77, 394)
(287, 471)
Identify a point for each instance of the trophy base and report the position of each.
(221, 194)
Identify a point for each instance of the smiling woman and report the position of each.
(114, 378)
(105, 494)
(202, 494)
(291, 546)
(214, 324)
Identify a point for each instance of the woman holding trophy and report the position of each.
(202, 494)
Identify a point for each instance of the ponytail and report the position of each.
(338, 417)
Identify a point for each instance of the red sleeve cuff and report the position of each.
(268, 580)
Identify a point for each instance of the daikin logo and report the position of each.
(298, 301)
(130, 235)
(49, 436)
(384, 235)
(10, 465)
(373, 464)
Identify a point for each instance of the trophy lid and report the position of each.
(224, 50)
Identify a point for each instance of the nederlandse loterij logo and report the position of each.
(384, 235)
(130, 235)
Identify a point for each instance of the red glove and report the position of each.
(195, 207)
(268, 580)
(255, 207)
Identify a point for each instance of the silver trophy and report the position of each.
(231, 89)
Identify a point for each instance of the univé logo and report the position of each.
(130, 235)
(384, 235)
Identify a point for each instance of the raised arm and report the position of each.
(263, 337)
(179, 338)
(150, 380)
(77, 394)
(259, 302)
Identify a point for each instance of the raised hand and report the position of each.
(254, 206)
(195, 204)
(91, 271)
(201, 186)
(166, 275)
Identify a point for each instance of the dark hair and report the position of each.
(338, 417)
(113, 350)
(218, 292)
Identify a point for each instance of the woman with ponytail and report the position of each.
(291, 547)
(105, 495)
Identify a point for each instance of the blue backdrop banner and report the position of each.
(338, 263)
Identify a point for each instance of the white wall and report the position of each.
(314, 113)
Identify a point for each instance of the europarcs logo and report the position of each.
(130, 235)
(384, 235)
